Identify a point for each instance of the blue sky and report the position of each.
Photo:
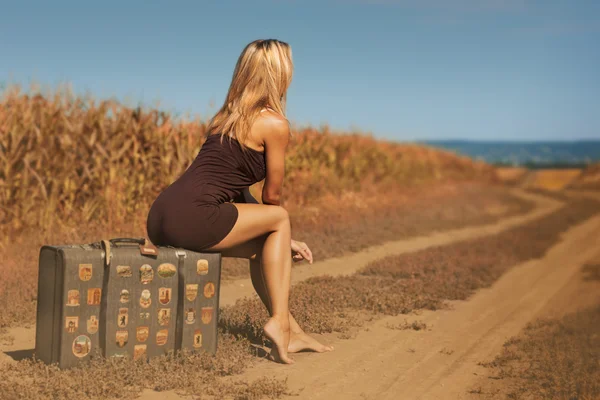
(401, 69)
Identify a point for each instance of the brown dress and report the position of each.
(195, 212)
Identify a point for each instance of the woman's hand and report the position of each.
(300, 251)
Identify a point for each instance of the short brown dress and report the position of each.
(195, 212)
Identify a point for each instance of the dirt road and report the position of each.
(347, 265)
(440, 362)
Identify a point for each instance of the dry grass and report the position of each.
(333, 227)
(554, 179)
(337, 230)
(68, 162)
(415, 326)
(511, 175)
(420, 280)
(551, 359)
(191, 374)
(392, 285)
(589, 178)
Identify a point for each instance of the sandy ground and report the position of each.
(347, 265)
(440, 362)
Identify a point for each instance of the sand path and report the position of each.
(440, 362)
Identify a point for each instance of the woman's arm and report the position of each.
(276, 140)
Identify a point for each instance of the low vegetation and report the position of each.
(393, 285)
(420, 280)
(69, 162)
(589, 178)
(550, 359)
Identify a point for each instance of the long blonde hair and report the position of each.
(262, 75)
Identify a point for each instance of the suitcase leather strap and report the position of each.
(146, 247)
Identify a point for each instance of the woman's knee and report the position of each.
(283, 216)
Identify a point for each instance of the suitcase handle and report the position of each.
(146, 247)
(141, 241)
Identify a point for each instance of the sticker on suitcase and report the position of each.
(121, 338)
(191, 291)
(207, 313)
(141, 333)
(93, 297)
(164, 316)
(124, 271)
(73, 298)
(139, 351)
(164, 295)
(202, 267)
(146, 274)
(92, 324)
(124, 296)
(190, 316)
(71, 324)
(197, 338)
(145, 299)
(209, 290)
(85, 272)
(82, 346)
(166, 270)
(122, 318)
(161, 337)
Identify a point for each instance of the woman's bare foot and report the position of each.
(279, 335)
(301, 341)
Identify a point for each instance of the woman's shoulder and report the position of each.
(272, 120)
(271, 124)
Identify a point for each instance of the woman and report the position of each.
(209, 207)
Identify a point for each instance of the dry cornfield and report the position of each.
(68, 161)
(75, 169)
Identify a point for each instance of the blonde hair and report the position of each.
(262, 75)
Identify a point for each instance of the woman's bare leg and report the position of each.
(252, 250)
(299, 340)
(256, 220)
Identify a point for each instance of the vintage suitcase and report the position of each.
(124, 297)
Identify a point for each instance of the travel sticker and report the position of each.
(124, 296)
(207, 313)
(146, 274)
(161, 337)
(73, 298)
(124, 271)
(94, 296)
(92, 324)
(122, 337)
(197, 338)
(141, 333)
(190, 316)
(139, 351)
(82, 346)
(144, 315)
(85, 272)
(164, 295)
(202, 267)
(166, 270)
(191, 291)
(71, 324)
(122, 318)
(209, 290)
(145, 299)
(164, 316)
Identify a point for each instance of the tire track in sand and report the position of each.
(440, 363)
(349, 264)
